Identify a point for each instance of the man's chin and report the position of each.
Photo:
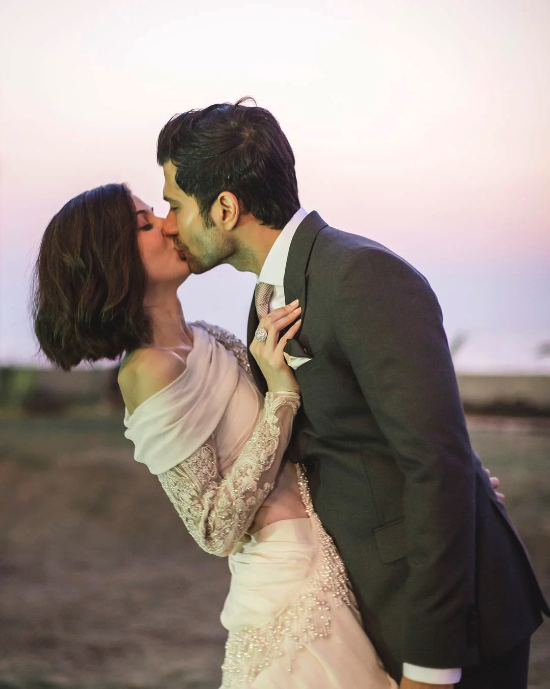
(197, 267)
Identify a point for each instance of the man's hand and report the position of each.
(411, 684)
(495, 483)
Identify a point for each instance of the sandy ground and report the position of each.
(102, 588)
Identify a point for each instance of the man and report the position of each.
(444, 585)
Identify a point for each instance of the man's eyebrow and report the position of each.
(167, 198)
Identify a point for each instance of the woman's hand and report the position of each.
(269, 354)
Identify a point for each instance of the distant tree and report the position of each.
(543, 350)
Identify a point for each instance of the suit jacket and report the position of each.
(441, 577)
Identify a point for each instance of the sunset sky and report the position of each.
(423, 125)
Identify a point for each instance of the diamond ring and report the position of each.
(261, 334)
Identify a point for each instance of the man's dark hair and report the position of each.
(89, 280)
(236, 148)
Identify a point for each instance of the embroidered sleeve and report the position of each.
(218, 511)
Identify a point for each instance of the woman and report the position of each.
(106, 284)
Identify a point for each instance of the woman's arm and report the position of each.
(218, 511)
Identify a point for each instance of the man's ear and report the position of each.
(226, 211)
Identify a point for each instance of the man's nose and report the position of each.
(170, 226)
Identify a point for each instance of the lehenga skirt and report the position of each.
(291, 616)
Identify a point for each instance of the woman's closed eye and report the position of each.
(145, 215)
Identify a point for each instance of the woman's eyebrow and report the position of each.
(143, 211)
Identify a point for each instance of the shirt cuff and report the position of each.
(431, 675)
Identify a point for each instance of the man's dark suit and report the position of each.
(442, 579)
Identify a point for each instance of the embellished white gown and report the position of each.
(217, 446)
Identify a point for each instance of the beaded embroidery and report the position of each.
(229, 341)
(307, 618)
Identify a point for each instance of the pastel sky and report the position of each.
(423, 125)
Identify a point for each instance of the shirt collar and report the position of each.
(273, 270)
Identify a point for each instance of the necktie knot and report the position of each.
(262, 297)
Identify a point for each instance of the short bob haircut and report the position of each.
(89, 280)
(236, 148)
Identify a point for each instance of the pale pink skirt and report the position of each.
(290, 625)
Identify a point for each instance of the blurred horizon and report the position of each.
(424, 127)
(493, 347)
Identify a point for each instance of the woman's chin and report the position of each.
(183, 277)
(184, 269)
(178, 279)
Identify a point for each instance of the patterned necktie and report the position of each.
(262, 298)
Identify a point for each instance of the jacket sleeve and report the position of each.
(389, 325)
(218, 511)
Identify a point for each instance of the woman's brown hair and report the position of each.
(89, 280)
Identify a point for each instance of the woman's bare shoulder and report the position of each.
(147, 371)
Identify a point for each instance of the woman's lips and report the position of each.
(182, 255)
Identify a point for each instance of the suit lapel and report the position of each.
(295, 282)
(295, 288)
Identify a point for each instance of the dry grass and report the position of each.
(102, 588)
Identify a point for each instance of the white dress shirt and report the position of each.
(273, 272)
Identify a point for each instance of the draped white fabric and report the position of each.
(269, 574)
(212, 394)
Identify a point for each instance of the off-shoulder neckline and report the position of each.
(128, 416)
